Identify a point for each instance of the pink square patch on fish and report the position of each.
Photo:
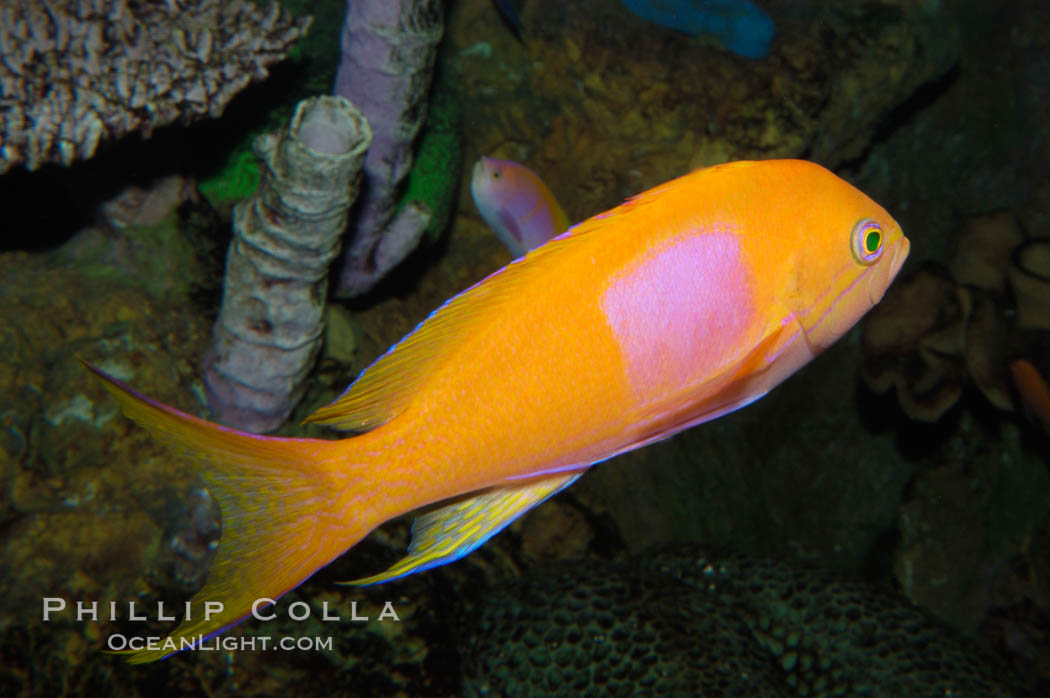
(681, 312)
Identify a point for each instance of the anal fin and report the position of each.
(448, 533)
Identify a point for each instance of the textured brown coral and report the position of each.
(982, 251)
(914, 342)
(1029, 275)
(931, 335)
(73, 72)
(986, 350)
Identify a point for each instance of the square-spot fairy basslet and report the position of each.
(686, 302)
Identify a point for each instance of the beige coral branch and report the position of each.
(75, 72)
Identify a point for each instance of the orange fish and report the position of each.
(686, 302)
(1033, 390)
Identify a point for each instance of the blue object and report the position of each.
(740, 25)
(508, 10)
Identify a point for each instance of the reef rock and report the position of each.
(698, 621)
(618, 105)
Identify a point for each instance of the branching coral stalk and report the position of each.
(270, 326)
(389, 50)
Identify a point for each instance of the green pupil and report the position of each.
(872, 240)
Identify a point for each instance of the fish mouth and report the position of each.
(900, 254)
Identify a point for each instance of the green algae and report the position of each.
(434, 179)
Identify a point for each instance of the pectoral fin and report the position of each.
(446, 534)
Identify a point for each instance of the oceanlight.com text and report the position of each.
(122, 643)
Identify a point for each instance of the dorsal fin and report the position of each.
(383, 389)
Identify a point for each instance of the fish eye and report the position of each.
(866, 241)
(496, 174)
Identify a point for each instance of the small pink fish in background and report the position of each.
(516, 204)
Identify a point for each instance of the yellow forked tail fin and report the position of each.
(289, 507)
